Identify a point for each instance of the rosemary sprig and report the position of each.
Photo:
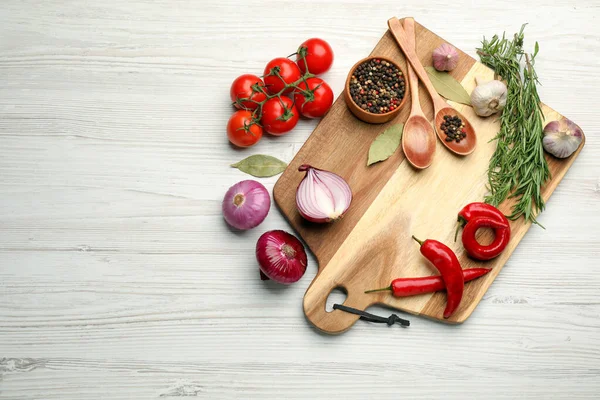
(517, 168)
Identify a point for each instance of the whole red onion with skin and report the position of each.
(322, 196)
(246, 204)
(281, 257)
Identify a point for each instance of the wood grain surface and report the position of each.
(372, 244)
(119, 278)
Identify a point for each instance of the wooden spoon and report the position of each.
(441, 108)
(418, 139)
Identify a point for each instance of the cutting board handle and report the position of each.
(336, 321)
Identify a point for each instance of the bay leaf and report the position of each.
(260, 165)
(447, 86)
(385, 144)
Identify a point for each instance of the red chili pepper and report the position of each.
(473, 210)
(444, 259)
(478, 251)
(404, 287)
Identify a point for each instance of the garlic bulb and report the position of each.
(562, 137)
(488, 98)
(445, 58)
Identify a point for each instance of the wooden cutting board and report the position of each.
(372, 244)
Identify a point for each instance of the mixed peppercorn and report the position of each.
(454, 128)
(377, 86)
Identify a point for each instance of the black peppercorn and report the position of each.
(377, 86)
(453, 127)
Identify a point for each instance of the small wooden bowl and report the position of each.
(367, 116)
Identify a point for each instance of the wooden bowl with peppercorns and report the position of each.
(376, 89)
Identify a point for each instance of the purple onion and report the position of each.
(246, 204)
(281, 257)
(322, 196)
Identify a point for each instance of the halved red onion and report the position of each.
(322, 196)
(281, 257)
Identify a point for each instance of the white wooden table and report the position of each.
(119, 278)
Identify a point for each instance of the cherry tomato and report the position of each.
(247, 86)
(314, 101)
(318, 56)
(241, 131)
(287, 69)
(279, 116)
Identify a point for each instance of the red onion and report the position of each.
(322, 196)
(246, 204)
(281, 257)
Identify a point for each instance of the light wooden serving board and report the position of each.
(372, 244)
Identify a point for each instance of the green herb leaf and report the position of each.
(447, 86)
(260, 165)
(518, 169)
(385, 144)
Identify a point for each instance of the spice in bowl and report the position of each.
(454, 128)
(377, 86)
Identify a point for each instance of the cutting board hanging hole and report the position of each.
(336, 296)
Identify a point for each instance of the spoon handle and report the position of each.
(413, 81)
(409, 51)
